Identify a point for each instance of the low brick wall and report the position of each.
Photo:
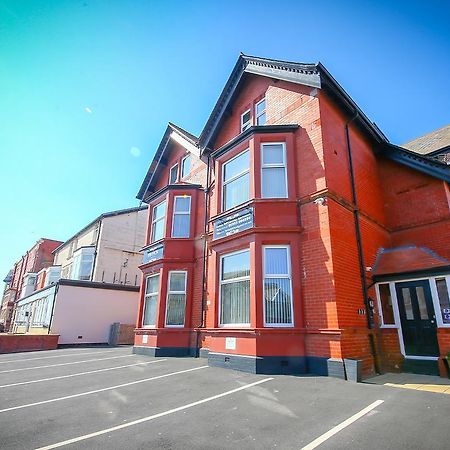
(10, 343)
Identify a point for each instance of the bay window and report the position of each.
(260, 112)
(235, 289)
(278, 308)
(158, 221)
(150, 301)
(176, 299)
(273, 171)
(236, 181)
(181, 222)
(83, 261)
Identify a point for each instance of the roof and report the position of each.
(435, 141)
(407, 259)
(308, 74)
(98, 219)
(159, 159)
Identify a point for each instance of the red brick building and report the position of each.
(291, 235)
(25, 271)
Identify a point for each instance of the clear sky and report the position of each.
(87, 87)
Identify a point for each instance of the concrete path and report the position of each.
(413, 381)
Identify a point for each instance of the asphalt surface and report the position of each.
(107, 398)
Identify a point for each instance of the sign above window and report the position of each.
(153, 253)
(234, 223)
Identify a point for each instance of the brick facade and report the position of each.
(316, 220)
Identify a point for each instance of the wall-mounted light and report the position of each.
(320, 201)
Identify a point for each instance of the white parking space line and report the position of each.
(154, 416)
(80, 373)
(321, 439)
(66, 364)
(82, 394)
(56, 356)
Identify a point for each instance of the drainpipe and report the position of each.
(205, 252)
(362, 271)
(53, 307)
(94, 263)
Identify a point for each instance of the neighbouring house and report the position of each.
(21, 280)
(93, 283)
(433, 145)
(292, 237)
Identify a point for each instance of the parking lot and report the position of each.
(96, 398)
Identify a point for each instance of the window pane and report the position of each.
(152, 285)
(260, 107)
(276, 261)
(177, 282)
(186, 166)
(181, 225)
(277, 299)
(173, 174)
(176, 304)
(273, 154)
(386, 304)
(236, 166)
(158, 230)
(261, 120)
(422, 303)
(245, 121)
(159, 211)
(444, 300)
(86, 267)
(274, 182)
(182, 204)
(408, 305)
(150, 311)
(237, 191)
(235, 266)
(235, 303)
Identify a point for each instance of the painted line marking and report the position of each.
(66, 364)
(57, 356)
(82, 394)
(321, 439)
(80, 373)
(154, 416)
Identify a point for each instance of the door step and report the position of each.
(421, 366)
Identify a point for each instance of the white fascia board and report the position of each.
(185, 143)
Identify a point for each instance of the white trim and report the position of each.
(234, 280)
(182, 177)
(185, 143)
(153, 294)
(380, 308)
(288, 277)
(249, 123)
(425, 358)
(170, 174)
(176, 292)
(234, 178)
(163, 218)
(181, 213)
(257, 116)
(282, 165)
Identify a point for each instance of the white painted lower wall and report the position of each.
(89, 312)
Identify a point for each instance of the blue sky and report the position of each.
(88, 86)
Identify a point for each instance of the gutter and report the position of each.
(356, 218)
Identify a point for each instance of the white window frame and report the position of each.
(181, 168)
(235, 177)
(248, 124)
(153, 294)
(163, 218)
(170, 174)
(274, 166)
(176, 292)
(380, 308)
(285, 276)
(436, 305)
(234, 280)
(257, 116)
(174, 213)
